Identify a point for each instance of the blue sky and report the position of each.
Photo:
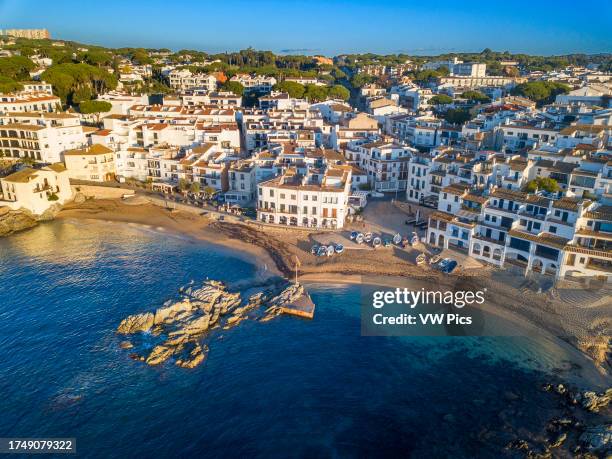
(327, 27)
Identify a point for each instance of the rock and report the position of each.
(560, 389)
(598, 438)
(593, 402)
(126, 345)
(136, 323)
(518, 444)
(511, 396)
(160, 354)
(197, 326)
(195, 357)
(172, 313)
(559, 440)
(12, 221)
(180, 324)
(79, 198)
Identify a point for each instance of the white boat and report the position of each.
(359, 238)
(420, 259)
(330, 250)
(367, 237)
(433, 260)
(339, 248)
(397, 238)
(376, 242)
(414, 238)
(322, 251)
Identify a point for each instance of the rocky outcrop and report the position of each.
(136, 323)
(12, 221)
(599, 348)
(598, 439)
(180, 326)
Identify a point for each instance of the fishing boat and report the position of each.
(397, 238)
(354, 235)
(420, 259)
(444, 263)
(314, 249)
(339, 248)
(435, 259)
(359, 238)
(322, 251)
(376, 242)
(331, 250)
(367, 237)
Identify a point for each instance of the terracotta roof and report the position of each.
(22, 176)
(95, 149)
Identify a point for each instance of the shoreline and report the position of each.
(271, 253)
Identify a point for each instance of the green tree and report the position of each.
(339, 92)
(338, 74)
(457, 115)
(96, 107)
(183, 185)
(541, 92)
(316, 93)
(16, 67)
(233, 86)
(9, 85)
(295, 90)
(476, 96)
(70, 78)
(542, 183)
(194, 187)
(97, 58)
(361, 79)
(441, 99)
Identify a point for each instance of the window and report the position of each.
(271, 193)
(305, 197)
(553, 229)
(314, 197)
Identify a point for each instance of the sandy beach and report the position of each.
(576, 315)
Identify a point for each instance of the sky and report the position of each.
(325, 27)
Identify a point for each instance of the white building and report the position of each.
(36, 189)
(184, 79)
(315, 200)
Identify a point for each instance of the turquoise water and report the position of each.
(286, 388)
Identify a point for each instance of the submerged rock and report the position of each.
(598, 438)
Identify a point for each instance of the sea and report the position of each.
(285, 388)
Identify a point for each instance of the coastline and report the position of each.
(272, 254)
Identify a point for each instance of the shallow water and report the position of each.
(288, 387)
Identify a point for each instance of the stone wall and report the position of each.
(101, 192)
